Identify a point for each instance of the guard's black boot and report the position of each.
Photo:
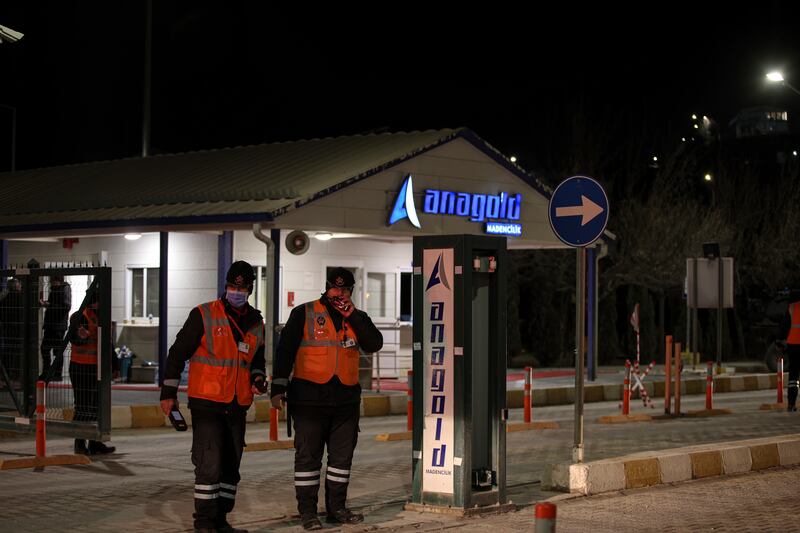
(791, 394)
(344, 516)
(80, 446)
(310, 522)
(97, 448)
(205, 530)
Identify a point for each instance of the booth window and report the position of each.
(405, 297)
(382, 295)
(258, 298)
(144, 292)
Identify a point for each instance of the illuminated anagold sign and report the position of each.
(478, 207)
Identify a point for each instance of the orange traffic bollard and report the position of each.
(527, 397)
(41, 446)
(545, 518)
(273, 424)
(677, 368)
(668, 376)
(626, 390)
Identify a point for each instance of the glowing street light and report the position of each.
(707, 177)
(777, 77)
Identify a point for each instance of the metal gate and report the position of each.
(51, 333)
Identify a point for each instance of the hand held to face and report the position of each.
(342, 303)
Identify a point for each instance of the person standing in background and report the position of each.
(57, 308)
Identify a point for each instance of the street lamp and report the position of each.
(776, 76)
(7, 35)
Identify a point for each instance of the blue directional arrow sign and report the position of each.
(578, 211)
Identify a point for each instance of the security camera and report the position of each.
(7, 35)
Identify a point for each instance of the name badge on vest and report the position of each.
(348, 342)
(244, 347)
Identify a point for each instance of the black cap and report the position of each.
(340, 277)
(240, 274)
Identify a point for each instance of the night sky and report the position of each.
(236, 73)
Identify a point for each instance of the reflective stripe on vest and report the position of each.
(218, 371)
(87, 353)
(321, 354)
(794, 332)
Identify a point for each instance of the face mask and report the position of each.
(236, 298)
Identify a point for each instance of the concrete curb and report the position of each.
(142, 416)
(670, 466)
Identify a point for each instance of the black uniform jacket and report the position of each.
(334, 392)
(188, 340)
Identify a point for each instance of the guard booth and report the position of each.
(459, 352)
(78, 396)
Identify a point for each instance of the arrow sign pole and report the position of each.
(570, 199)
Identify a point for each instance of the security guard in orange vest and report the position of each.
(223, 341)
(791, 332)
(83, 374)
(322, 342)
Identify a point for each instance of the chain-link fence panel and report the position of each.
(55, 326)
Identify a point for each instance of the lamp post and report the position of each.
(7, 35)
(13, 135)
(776, 76)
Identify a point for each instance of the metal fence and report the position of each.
(55, 325)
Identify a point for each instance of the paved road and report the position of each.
(148, 486)
(758, 501)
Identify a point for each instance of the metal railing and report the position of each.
(393, 361)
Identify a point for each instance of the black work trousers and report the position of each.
(217, 445)
(793, 355)
(84, 390)
(315, 428)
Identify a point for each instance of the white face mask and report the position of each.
(236, 298)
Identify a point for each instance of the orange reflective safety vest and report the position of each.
(794, 333)
(86, 353)
(324, 352)
(220, 368)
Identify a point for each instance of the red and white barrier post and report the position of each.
(677, 367)
(273, 424)
(527, 395)
(709, 385)
(668, 376)
(780, 380)
(273, 421)
(410, 403)
(41, 446)
(545, 518)
(626, 390)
